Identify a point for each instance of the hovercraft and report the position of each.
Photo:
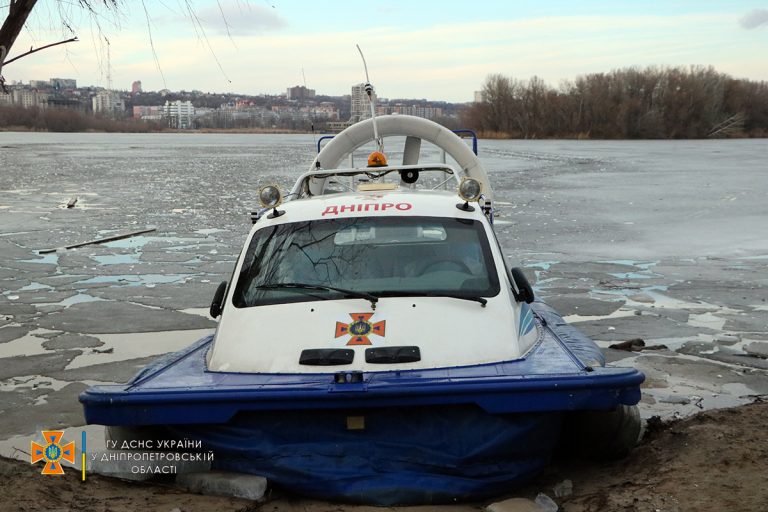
(373, 346)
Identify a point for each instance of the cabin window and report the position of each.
(384, 256)
(376, 233)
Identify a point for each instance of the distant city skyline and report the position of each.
(435, 50)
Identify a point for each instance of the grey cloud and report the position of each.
(754, 18)
(241, 19)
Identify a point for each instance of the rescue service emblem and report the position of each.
(360, 329)
(52, 452)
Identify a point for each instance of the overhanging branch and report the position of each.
(33, 50)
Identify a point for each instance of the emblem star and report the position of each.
(52, 452)
(360, 328)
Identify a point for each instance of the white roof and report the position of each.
(406, 202)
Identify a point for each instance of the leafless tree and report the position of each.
(18, 13)
(674, 102)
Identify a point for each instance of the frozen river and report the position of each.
(661, 240)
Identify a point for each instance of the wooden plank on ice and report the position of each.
(99, 241)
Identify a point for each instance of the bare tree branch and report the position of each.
(204, 37)
(35, 50)
(18, 12)
(224, 18)
(152, 43)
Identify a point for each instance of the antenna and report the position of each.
(369, 91)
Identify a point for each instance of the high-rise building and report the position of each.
(136, 87)
(179, 114)
(299, 93)
(29, 98)
(427, 112)
(108, 102)
(361, 107)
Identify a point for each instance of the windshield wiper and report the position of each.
(474, 298)
(306, 286)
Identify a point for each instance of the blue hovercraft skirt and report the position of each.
(408, 437)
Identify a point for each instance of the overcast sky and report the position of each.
(440, 50)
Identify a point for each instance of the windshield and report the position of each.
(383, 256)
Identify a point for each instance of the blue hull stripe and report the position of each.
(526, 320)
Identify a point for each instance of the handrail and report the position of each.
(466, 131)
(321, 139)
(353, 171)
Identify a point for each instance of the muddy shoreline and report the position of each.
(713, 461)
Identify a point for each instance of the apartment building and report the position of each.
(108, 103)
(179, 114)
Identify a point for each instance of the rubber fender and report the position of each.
(602, 434)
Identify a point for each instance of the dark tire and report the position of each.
(602, 434)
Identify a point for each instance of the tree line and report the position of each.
(16, 117)
(651, 103)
